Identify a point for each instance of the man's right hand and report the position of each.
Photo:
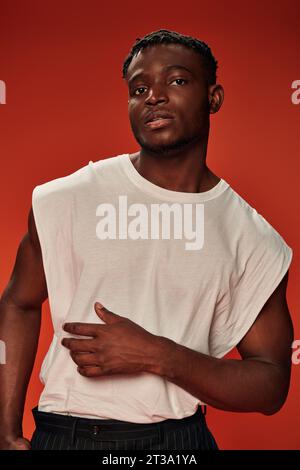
(15, 443)
(20, 319)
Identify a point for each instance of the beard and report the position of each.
(170, 148)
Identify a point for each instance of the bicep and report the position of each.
(27, 285)
(271, 335)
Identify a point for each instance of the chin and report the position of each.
(163, 145)
(159, 147)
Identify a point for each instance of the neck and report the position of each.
(183, 170)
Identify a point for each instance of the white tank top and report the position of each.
(199, 278)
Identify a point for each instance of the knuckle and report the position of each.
(98, 358)
(94, 348)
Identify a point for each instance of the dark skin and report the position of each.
(173, 157)
(170, 155)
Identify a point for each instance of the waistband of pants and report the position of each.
(110, 429)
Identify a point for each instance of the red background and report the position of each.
(67, 104)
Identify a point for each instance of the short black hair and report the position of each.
(165, 36)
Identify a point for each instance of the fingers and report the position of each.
(90, 371)
(84, 359)
(20, 443)
(86, 329)
(106, 315)
(87, 364)
(79, 345)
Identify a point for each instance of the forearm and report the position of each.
(19, 329)
(227, 384)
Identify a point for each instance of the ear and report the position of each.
(215, 97)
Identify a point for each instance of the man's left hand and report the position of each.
(120, 346)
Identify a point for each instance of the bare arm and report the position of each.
(20, 318)
(259, 382)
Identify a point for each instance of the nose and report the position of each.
(156, 94)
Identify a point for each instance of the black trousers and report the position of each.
(59, 432)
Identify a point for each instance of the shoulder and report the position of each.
(64, 184)
(251, 228)
(71, 184)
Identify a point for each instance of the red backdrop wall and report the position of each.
(66, 104)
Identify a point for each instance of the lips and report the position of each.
(154, 116)
(158, 123)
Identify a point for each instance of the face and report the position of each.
(169, 80)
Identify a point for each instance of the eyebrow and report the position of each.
(167, 67)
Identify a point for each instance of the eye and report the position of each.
(180, 79)
(140, 88)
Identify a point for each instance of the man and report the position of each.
(145, 311)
